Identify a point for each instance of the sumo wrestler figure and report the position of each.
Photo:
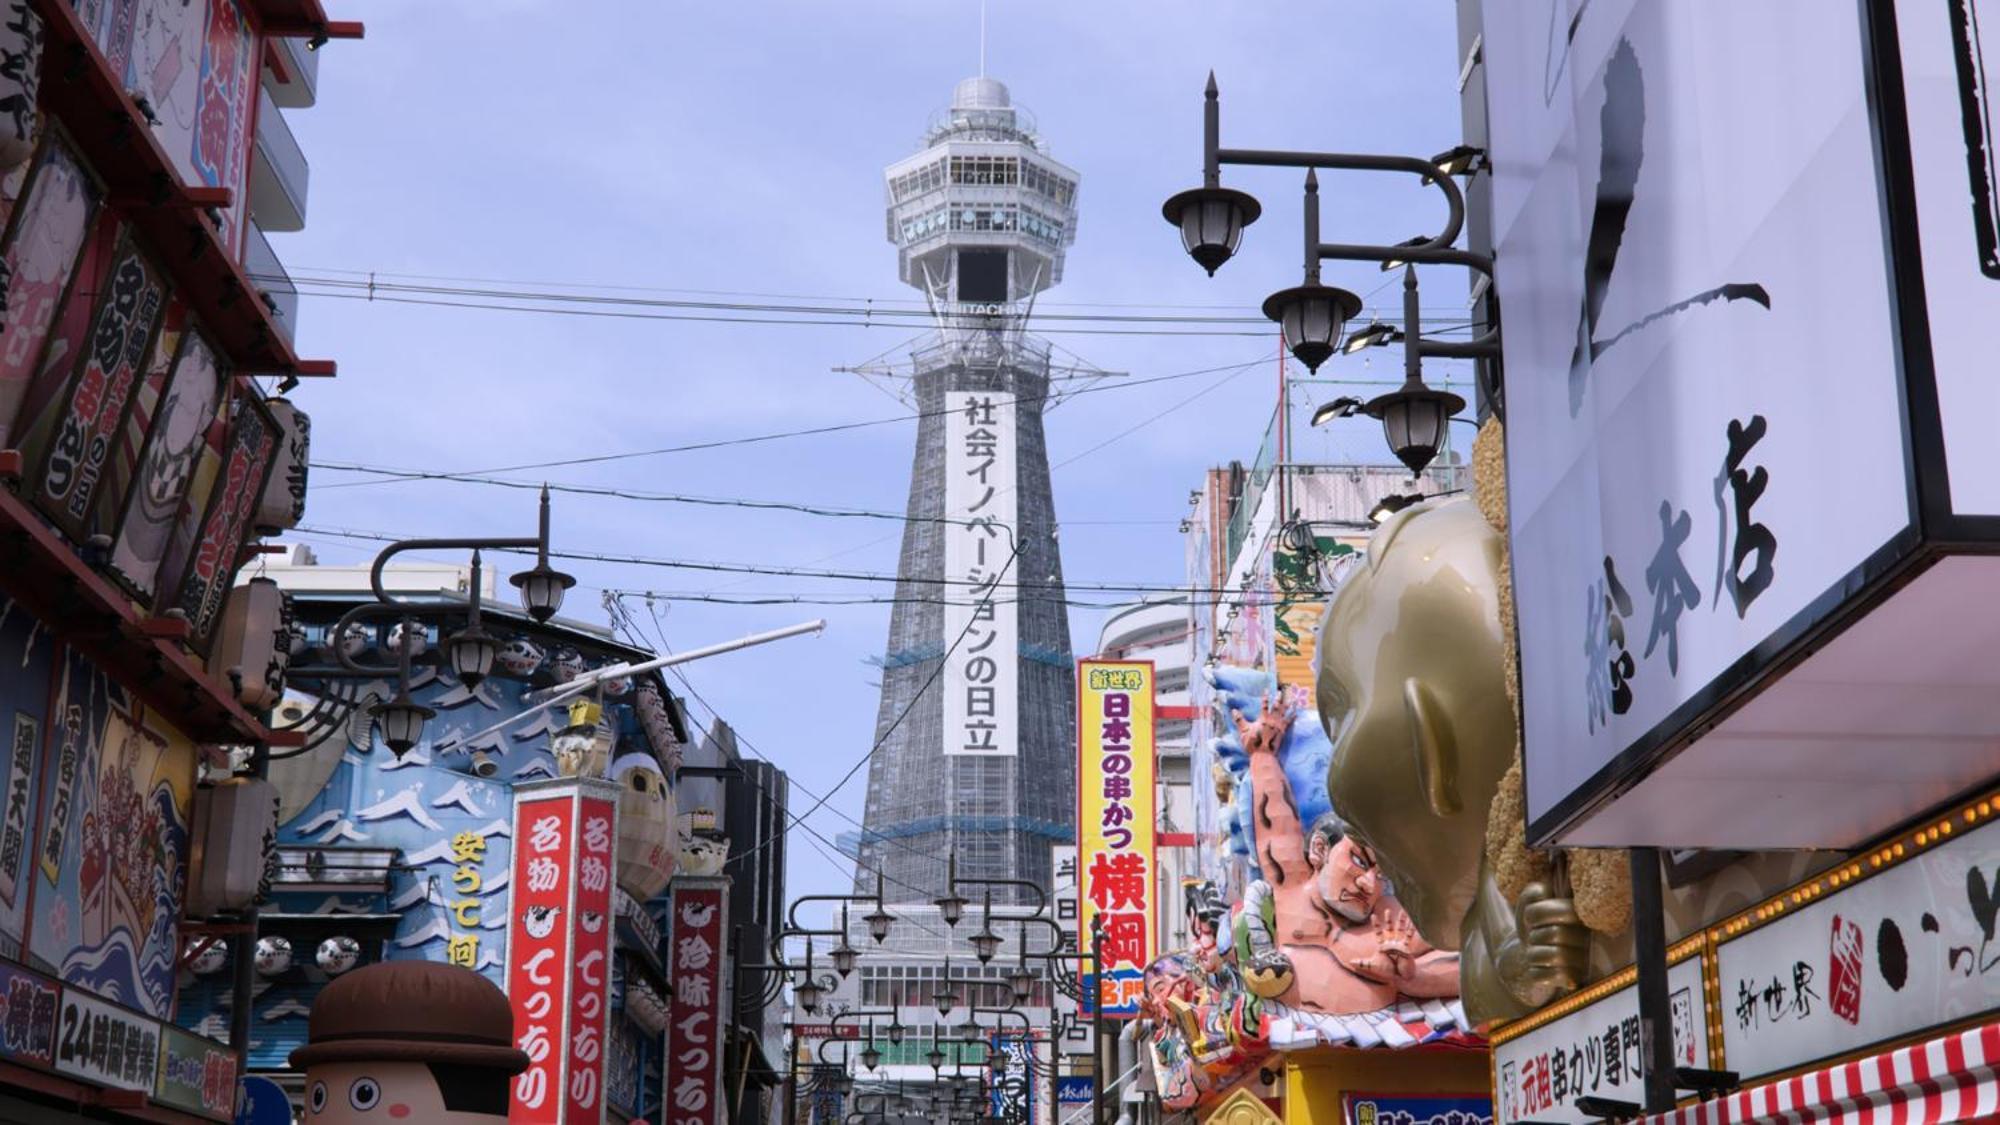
(1412, 691)
(412, 1042)
(1350, 948)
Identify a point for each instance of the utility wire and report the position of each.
(855, 311)
(796, 572)
(814, 431)
(628, 624)
(572, 285)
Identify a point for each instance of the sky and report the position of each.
(710, 151)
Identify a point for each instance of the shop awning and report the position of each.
(1948, 1079)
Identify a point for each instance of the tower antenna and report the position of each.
(982, 38)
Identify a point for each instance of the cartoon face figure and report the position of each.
(567, 664)
(521, 656)
(540, 921)
(273, 956)
(337, 954)
(404, 1093)
(402, 633)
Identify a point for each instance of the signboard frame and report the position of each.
(1136, 827)
(1611, 794)
(698, 893)
(552, 1022)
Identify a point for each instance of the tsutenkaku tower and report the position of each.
(982, 764)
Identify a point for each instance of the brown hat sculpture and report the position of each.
(416, 1042)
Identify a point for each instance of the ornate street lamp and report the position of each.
(401, 720)
(986, 943)
(471, 651)
(843, 954)
(878, 921)
(1313, 315)
(946, 997)
(951, 905)
(1211, 217)
(935, 1057)
(1414, 415)
(807, 991)
(542, 588)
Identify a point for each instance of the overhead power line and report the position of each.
(533, 283)
(729, 567)
(781, 435)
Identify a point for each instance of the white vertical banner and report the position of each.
(981, 673)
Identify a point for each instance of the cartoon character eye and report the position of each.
(364, 1094)
(317, 1099)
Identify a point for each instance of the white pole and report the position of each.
(613, 671)
(551, 696)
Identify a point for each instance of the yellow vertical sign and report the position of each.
(1115, 824)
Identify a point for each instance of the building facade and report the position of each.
(143, 154)
(415, 855)
(738, 805)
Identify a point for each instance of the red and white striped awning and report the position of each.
(1949, 1079)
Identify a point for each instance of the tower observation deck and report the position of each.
(977, 714)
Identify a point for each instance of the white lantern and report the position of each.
(253, 644)
(284, 501)
(235, 828)
(274, 956)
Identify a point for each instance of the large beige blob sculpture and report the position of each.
(1413, 694)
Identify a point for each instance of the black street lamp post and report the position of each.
(469, 652)
(1211, 219)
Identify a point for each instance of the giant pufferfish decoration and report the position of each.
(648, 835)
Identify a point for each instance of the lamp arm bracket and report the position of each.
(1361, 162)
(517, 543)
(1485, 346)
(1434, 254)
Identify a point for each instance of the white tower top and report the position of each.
(982, 215)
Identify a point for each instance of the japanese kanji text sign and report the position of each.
(1115, 807)
(1594, 1051)
(590, 961)
(559, 947)
(1675, 516)
(1911, 948)
(981, 671)
(693, 1090)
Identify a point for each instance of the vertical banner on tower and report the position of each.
(1114, 822)
(981, 572)
(693, 1091)
(559, 947)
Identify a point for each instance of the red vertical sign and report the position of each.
(590, 976)
(538, 949)
(559, 948)
(694, 1036)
